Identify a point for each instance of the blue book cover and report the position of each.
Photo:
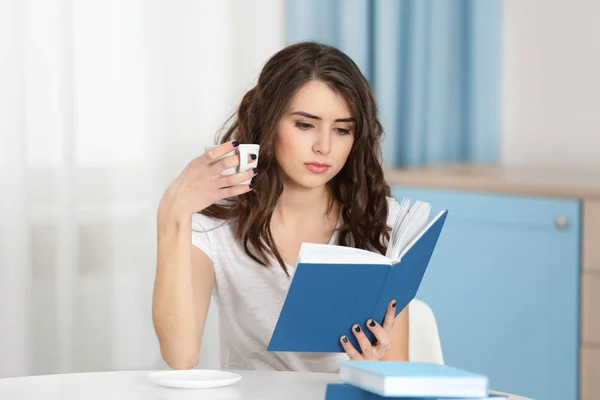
(335, 287)
(344, 391)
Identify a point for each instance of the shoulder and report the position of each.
(205, 223)
(393, 209)
(209, 234)
(393, 205)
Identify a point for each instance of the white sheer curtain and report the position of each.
(101, 104)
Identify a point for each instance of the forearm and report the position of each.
(173, 309)
(400, 338)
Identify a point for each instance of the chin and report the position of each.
(312, 181)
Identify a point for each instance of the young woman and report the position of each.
(319, 179)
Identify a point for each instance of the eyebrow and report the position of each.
(307, 115)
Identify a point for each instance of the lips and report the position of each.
(317, 167)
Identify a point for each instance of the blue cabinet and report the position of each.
(504, 286)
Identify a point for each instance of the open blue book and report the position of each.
(335, 287)
(399, 379)
(344, 391)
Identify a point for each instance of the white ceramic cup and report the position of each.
(244, 151)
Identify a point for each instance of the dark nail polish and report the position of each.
(255, 170)
(251, 186)
(357, 329)
(253, 156)
(345, 339)
(394, 304)
(235, 143)
(371, 323)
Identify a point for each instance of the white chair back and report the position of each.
(423, 337)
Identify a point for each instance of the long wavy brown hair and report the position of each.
(359, 187)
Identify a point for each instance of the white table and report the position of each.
(135, 385)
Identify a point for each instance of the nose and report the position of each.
(322, 143)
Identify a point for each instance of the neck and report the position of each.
(297, 204)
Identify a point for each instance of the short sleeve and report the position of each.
(201, 227)
(393, 210)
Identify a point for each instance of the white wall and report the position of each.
(233, 38)
(551, 83)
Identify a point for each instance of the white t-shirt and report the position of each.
(249, 299)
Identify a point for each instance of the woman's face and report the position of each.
(314, 136)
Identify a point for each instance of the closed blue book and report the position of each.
(344, 391)
(335, 287)
(413, 379)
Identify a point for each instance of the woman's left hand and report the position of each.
(383, 336)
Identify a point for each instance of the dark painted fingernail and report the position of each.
(235, 143)
(371, 323)
(251, 186)
(357, 329)
(345, 339)
(255, 170)
(253, 156)
(394, 304)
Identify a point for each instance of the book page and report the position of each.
(397, 225)
(316, 253)
(412, 225)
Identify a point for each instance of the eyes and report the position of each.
(303, 126)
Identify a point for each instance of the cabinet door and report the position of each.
(503, 283)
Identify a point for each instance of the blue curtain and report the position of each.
(434, 66)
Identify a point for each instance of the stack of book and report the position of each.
(374, 380)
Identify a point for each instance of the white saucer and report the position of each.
(194, 378)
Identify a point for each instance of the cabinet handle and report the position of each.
(560, 222)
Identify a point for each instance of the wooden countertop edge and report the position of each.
(439, 178)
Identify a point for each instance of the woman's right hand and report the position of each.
(200, 185)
